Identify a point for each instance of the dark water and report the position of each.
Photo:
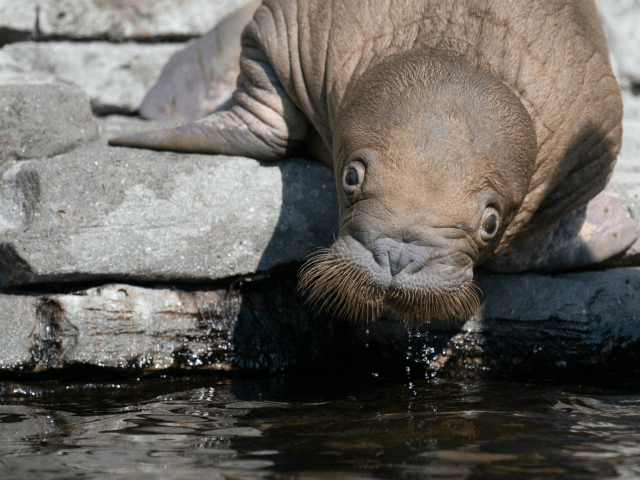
(284, 427)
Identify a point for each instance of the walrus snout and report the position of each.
(416, 281)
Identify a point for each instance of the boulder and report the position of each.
(100, 213)
(116, 77)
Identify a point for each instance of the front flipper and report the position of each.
(225, 133)
(586, 236)
(261, 121)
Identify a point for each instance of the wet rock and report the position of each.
(100, 213)
(145, 19)
(571, 326)
(114, 76)
(43, 121)
(18, 321)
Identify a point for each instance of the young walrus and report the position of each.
(460, 132)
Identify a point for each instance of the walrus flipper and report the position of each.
(232, 132)
(261, 121)
(201, 77)
(588, 235)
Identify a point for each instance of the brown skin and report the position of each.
(453, 128)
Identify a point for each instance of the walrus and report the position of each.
(461, 133)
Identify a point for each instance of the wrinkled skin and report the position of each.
(454, 128)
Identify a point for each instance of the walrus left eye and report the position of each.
(490, 224)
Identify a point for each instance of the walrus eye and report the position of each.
(352, 177)
(489, 224)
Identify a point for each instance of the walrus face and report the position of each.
(429, 173)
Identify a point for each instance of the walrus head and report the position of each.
(433, 156)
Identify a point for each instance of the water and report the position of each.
(293, 427)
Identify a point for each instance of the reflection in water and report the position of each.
(309, 428)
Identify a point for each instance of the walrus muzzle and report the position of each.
(346, 291)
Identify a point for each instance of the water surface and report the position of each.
(293, 427)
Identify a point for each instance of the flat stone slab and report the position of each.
(100, 213)
(43, 121)
(116, 77)
(114, 19)
(570, 326)
(142, 19)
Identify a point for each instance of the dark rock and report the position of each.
(575, 326)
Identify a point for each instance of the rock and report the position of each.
(114, 76)
(101, 213)
(567, 326)
(621, 19)
(18, 321)
(143, 19)
(570, 326)
(43, 120)
(17, 20)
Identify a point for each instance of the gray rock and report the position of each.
(17, 20)
(43, 120)
(145, 19)
(114, 76)
(18, 321)
(621, 19)
(100, 212)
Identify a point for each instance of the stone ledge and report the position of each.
(115, 20)
(116, 77)
(101, 213)
(571, 326)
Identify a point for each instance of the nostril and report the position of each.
(399, 258)
(395, 256)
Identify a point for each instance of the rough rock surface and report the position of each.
(100, 212)
(114, 76)
(573, 326)
(621, 19)
(43, 121)
(113, 19)
(17, 20)
(141, 19)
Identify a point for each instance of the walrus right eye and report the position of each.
(352, 177)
